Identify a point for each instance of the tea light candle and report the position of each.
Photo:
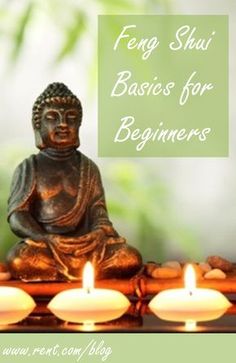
(189, 303)
(15, 305)
(88, 304)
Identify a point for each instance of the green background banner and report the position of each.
(114, 348)
(163, 85)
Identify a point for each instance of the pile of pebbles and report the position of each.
(215, 267)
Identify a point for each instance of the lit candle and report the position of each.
(189, 303)
(89, 304)
(15, 305)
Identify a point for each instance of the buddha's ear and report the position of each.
(38, 140)
(77, 142)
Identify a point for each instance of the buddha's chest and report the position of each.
(54, 179)
(50, 185)
(56, 187)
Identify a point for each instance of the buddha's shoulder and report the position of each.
(85, 160)
(27, 163)
(24, 175)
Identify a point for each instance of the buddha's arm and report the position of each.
(24, 225)
(98, 214)
(100, 225)
(21, 197)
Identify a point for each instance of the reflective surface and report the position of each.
(138, 319)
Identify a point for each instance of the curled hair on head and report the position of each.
(55, 94)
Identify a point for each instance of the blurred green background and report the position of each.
(168, 208)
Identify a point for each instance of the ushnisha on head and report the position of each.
(57, 116)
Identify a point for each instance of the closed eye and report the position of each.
(71, 116)
(51, 116)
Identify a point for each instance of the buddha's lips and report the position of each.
(62, 133)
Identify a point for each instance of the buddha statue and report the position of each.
(57, 205)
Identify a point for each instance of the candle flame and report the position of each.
(88, 277)
(190, 279)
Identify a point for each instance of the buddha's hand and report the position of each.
(77, 245)
(95, 235)
(67, 245)
(92, 241)
(115, 240)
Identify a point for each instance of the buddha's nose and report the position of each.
(62, 121)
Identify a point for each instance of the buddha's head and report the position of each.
(57, 116)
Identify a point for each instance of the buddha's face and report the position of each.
(60, 126)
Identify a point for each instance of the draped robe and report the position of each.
(88, 213)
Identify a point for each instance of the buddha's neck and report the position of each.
(59, 154)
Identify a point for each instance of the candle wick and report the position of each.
(88, 290)
(190, 293)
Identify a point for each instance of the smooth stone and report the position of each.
(220, 263)
(215, 274)
(172, 264)
(5, 276)
(165, 273)
(150, 267)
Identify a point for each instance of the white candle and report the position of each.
(89, 305)
(189, 303)
(15, 305)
